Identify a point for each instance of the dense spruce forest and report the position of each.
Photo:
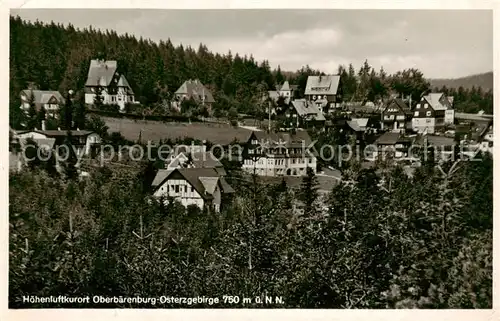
(57, 57)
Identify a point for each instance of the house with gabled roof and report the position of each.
(203, 187)
(306, 112)
(324, 91)
(104, 76)
(194, 89)
(193, 157)
(432, 113)
(395, 116)
(393, 145)
(50, 100)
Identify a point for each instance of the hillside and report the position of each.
(484, 80)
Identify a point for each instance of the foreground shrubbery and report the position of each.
(425, 242)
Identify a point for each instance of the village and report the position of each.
(299, 158)
(194, 176)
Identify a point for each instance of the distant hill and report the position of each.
(485, 81)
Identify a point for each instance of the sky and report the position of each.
(441, 43)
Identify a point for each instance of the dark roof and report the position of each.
(205, 160)
(196, 90)
(400, 103)
(298, 137)
(388, 138)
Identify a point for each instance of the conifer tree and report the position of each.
(308, 193)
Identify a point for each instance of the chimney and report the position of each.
(44, 125)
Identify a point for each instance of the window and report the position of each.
(428, 121)
(192, 189)
(185, 188)
(177, 188)
(418, 106)
(416, 114)
(426, 105)
(428, 114)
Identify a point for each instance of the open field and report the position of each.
(154, 131)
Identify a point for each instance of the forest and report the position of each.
(384, 241)
(57, 57)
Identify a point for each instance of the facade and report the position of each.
(202, 187)
(432, 113)
(115, 89)
(324, 91)
(279, 154)
(50, 100)
(395, 115)
(194, 89)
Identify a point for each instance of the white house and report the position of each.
(115, 88)
(279, 154)
(50, 100)
(432, 112)
(202, 187)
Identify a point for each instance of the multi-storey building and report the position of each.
(279, 154)
(395, 116)
(203, 187)
(324, 91)
(114, 88)
(432, 113)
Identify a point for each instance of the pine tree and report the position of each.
(279, 76)
(98, 98)
(308, 193)
(80, 114)
(70, 170)
(32, 113)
